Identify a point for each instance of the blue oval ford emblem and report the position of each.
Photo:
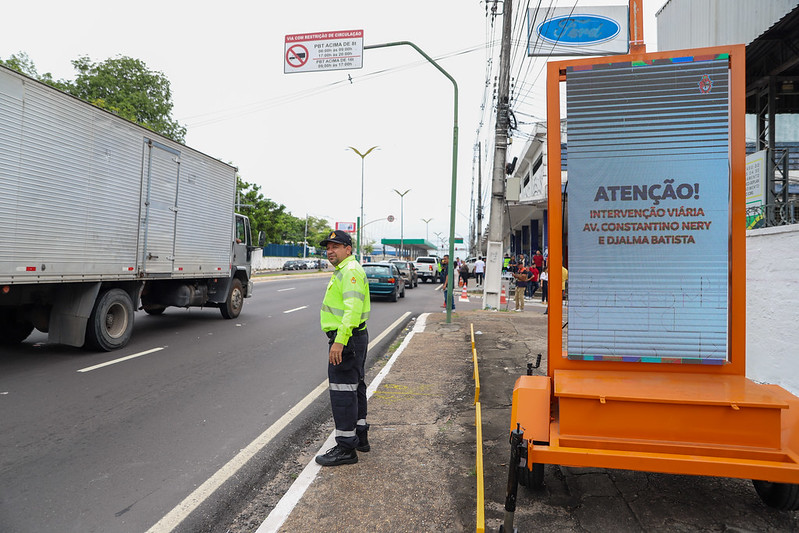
(578, 29)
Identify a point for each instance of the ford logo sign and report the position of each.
(572, 30)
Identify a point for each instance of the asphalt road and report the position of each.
(115, 448)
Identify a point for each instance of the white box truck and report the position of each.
(100, 216)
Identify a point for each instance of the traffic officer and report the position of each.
(345, 310)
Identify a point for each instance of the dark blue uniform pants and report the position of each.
(348, 391)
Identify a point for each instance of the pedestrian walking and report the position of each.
(479, 270)
(521, 276)
(345, 310)
(463, 271)
(445, 274)
(532, 281)
(538, 260)
(544, 284)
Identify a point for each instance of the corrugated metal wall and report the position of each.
(699, 23)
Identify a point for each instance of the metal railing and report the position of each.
(768, 215)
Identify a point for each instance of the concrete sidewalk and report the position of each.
(420, 474)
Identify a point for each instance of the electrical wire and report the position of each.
(250, 108)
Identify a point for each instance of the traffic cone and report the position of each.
(464, 295)
(503, 299)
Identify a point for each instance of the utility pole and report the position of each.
(480, 199)
(493, 281)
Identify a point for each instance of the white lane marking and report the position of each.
(115, 361)
(295, 309)
(289, 289)
(283, 509)
(172, 519)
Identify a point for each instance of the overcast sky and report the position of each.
(289, 133)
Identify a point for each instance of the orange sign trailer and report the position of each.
(702, 419)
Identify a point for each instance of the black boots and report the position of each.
(337, 456)
(363, 442)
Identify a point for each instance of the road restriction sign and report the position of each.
(330, 50)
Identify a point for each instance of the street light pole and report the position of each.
(454, 187)
(426, 228)
(402, 217)
(363, 157)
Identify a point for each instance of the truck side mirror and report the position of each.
(261, 239)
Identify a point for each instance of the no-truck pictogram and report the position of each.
(296, 56)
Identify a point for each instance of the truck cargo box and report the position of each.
(88, 196)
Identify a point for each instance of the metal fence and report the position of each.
(767, 215)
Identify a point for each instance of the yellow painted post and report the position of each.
(481, 520)
(478, 416)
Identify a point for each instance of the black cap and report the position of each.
(341, 237)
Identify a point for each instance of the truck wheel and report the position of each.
(13, 329)
(111, 322)
(781, 496)
(235, 300)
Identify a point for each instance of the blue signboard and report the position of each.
(588, 30)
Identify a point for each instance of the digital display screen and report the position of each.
(648, 210)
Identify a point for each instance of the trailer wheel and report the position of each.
(532, 479)
(13, 329)
(111, 322)
(235, 300)
(781, 496)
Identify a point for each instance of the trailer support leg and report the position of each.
(513, 479)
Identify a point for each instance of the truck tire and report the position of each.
(111, 322)
(235, 300)
(13, 329)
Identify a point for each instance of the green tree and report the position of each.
(318, 229)
(122, 85)
(22, 63)
(279, 225)
(127, 87)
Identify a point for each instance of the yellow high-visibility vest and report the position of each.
(346, 303)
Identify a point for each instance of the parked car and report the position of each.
(316, 264)
(408, 271)
(385, 280)
(295, 264)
